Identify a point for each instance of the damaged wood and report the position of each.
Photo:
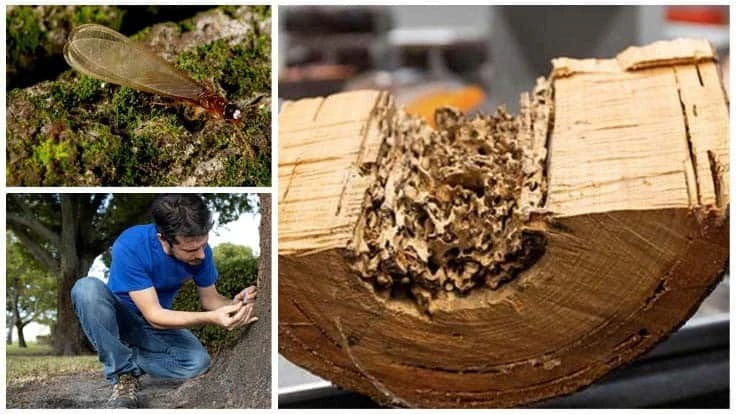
(498, 260)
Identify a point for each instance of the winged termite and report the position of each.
(107, 55)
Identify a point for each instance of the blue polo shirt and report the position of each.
(139, 262)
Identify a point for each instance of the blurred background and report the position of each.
(472, 57)
(476, 58)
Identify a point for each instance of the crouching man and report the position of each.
(129, 320)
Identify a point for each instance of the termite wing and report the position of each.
(107, 55)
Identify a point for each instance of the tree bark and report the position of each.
(499, 261)
(21, 337)
(240, 377)
(70, 339)
(10, 318)
(19, 325)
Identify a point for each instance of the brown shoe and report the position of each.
(125, 392)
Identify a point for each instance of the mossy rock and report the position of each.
(78, 131)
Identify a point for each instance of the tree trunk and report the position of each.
(240, 377)
(21, 338)
(500, 260)
(10, 319)
(19, 324)
(70, 339)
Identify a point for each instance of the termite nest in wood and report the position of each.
(444, 215)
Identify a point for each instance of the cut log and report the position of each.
(498, 260)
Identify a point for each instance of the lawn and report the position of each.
(33, 349)
(37, 362)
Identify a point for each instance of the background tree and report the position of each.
(30, 291)
(64, 233)
(9, 328)
(240, 376)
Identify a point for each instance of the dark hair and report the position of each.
(183, 215)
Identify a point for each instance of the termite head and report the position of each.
(218, 106)
(232, 113)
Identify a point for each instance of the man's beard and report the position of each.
(195, 262)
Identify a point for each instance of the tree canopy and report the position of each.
(30, 290)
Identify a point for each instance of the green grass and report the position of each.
(37, 362)
(33, 349)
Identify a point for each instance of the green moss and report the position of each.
(161, 126)
(14, 94)
(126, 104)
(98, 153)
(87, 89)
(73, 94)
(240, 171)
(143, 34)
(62, 94)
(187, 26)
(53, 105)
(49, 150)
(108, 16)
(230, 11)
(132, 160)
(262, 11)
(256, 122)
(255, 171)
(24, 35)
(204, 61)
(241, 70)
(152, 150)
(247, 73)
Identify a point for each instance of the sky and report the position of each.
(242, 231)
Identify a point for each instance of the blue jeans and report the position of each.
(127, 344)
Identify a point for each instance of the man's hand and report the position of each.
(247, 295)
(234, 316)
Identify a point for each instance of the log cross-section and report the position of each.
(497, 260)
